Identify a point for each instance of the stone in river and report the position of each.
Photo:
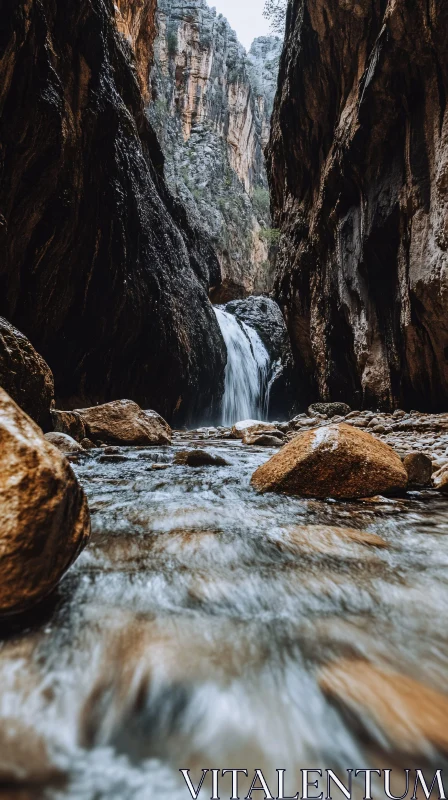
(44, 512)
(337, 461)
(199, 458)
(123, 422)
(263, 440)
(419, 469)
(408, 715)
(65, 443)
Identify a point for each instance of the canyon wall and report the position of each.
(211, 107)
(99, 265)
(358, 168)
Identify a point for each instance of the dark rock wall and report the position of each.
(358, 165)
(98, 264)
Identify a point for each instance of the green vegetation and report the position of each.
(270, 235)
(262, 204)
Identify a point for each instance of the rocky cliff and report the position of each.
(211, 107)
(358, 167)
(99, 265)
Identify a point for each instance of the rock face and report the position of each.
(264, 316)
(99, 265)
(211, 107)
(124, 422)
(24, 375)
(44, 513)
(358, 167)
(336, 461)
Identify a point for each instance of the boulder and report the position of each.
(329, 409)
(124, 422)
(250, 427)
(419, 469)
(24, 375)
(65, 443)
(263, 440)
(69, 422)
(333, 461)
(274, 433)
(44, 512)
(199, 458)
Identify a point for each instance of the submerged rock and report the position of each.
(44, 513)
(24, 375)
(405, 712)
(123, 422)
(199, 458)
(334, 461)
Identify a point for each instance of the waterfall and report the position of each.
(246, 378)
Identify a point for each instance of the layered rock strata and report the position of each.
(211, 107)
(358, 167)
(99, 265)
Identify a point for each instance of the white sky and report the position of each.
(245, 17)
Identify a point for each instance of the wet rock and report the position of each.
(24, 375)
(45, 518)
(329, 409)
(419, 469)
(124, 422)
(199, 458)
(87, 444)
(250, 427)
(327, 539)
(408, 715)
(256, 434)
(363, 307)
(440, 480)
(334, 461)
(264, 440)
(69, 422)
(112, 458)
(25, 758)
(65, 443)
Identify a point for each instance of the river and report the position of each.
(207, 626)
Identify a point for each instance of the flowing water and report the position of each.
(207, 626)
(246, 378)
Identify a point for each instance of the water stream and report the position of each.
(246, 378)
(196, 629)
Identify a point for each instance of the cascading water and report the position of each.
(246, 393)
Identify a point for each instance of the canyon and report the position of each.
(211, 105)
(358, 169)
(208, 586)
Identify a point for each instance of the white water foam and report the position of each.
(246, 378)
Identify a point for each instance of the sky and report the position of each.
(245, 17)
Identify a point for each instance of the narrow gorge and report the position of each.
(223, 399)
